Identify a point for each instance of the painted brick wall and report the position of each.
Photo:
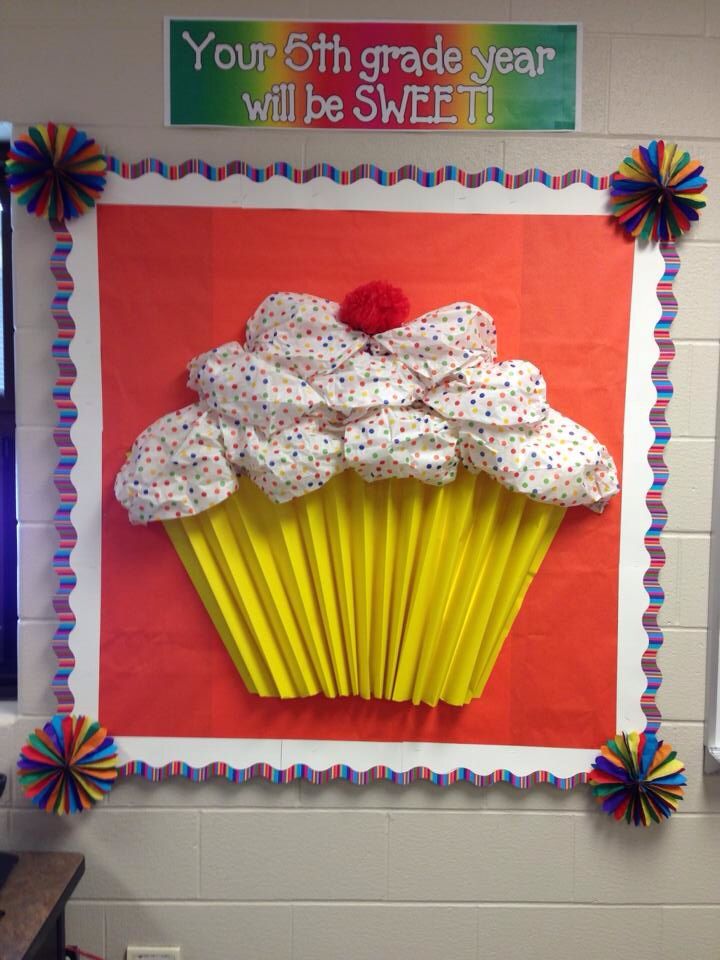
(336, 872)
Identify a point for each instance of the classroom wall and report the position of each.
(336, 871)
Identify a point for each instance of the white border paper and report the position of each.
(448, 197)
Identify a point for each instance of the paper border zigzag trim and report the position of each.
(654, 501)
(341, 771)
(67, 413)
(364, 171)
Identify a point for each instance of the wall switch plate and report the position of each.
(153, 953)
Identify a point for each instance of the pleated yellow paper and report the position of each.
(393, 589)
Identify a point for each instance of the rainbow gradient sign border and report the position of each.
(372, 75)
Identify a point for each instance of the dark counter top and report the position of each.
(34, 898)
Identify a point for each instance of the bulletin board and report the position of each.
(173, 264)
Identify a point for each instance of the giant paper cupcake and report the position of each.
(363, 502)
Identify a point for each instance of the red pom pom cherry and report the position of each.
(375, 307)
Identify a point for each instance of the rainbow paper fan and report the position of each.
(638, 777)
(68, 765)
(655, 193)
(56, 171)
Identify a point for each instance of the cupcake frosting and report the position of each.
(306, 397)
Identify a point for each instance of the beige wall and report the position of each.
(341, 872)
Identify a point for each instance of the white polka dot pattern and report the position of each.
(307, 398)
(250, 389)
(502, 394)
(177, 467)
(557, 460)
(303, 332)
(402, 442)
(366, 381)
(437, 344)
(305, 456)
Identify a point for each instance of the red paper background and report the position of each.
(177, 281)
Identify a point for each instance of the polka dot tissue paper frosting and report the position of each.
(290, 491)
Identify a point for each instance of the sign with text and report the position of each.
(372, 75)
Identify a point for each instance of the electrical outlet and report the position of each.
(153, 953)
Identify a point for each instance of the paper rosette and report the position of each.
(655, 193)
(56, 171)
(394, 589)
(68, 765)
(638, 778)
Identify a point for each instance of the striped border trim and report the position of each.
(364, 171)
(67, 414)
(301, 771)
(654, 501)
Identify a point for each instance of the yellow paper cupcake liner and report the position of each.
(394, 589)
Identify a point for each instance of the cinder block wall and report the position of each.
(340, 872)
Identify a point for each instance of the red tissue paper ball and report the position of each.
(375, 307)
